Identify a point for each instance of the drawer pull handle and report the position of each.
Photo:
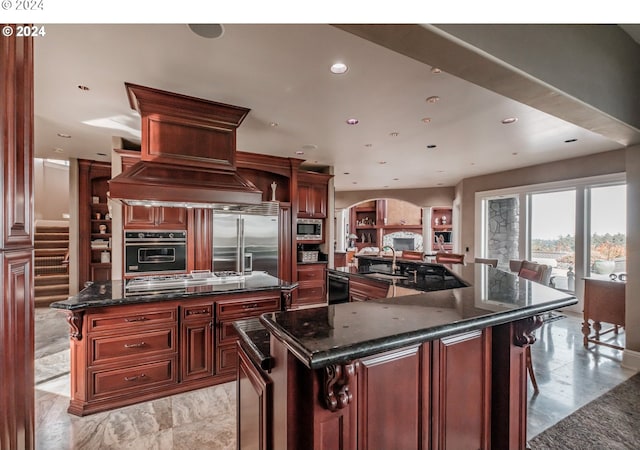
(134, 378)
(202, 311)
(135, 319)
(140, 344)
(251, 306)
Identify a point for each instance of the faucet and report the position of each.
(393, 262)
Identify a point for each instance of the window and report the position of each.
(552, 238)
(576, 226)
(607, 230)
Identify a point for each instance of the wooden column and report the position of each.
(509, 383)
(16, 243)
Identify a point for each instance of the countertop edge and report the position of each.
(370, 347)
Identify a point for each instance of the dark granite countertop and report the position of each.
(348, 331)
(108, 293)
(413, 275)
(255, 340)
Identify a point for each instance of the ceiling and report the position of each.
(281, 72)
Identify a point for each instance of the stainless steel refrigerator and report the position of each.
(245, 243)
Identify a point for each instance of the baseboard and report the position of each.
(631, 360)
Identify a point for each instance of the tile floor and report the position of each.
(568, 375)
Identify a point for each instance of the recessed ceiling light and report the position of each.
(431, 146)
(273, 124)
(514, 153)
(439, 184)
(386, 186)
(368, 145)
(394, 134)
(435, 70)
(353, 121)
(426, 119)
(382, 162)
(396, 179)
(299, 152)
(509, 120)
(433, 99)
(83, 88)
(58, 150)
(354, 182)
(101, 154)
(346, 173)
(309, 147)
(473, 164)
(339, 68)
(440, 171)
(207, 30)
(64, 135)
(568, 141)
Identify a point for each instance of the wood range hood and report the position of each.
(187, 156)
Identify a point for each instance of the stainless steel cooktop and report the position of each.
(178, 281)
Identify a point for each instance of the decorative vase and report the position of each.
(603, 267)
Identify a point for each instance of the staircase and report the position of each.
(50, 266)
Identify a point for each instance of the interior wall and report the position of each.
(51, 190)
(632, 303)
(423, 197)
(587, 166)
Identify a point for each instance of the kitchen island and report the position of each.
(132, 342)
(437, 369)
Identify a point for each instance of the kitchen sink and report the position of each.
(385, 276)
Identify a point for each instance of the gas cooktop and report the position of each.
(178, 281)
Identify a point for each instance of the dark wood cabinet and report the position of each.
(361, 289)
(255, 405)
(121, 355)
(155, 217)
(312, 195)
(441, 225)
(431, 395)
(312, 285)
(196, 346)
(373, 219)
(236, 307)
(94, 222)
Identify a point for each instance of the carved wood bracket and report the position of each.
(524, 330)
(74, 319)
(336, 392)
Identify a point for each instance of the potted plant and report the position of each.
(603, 257)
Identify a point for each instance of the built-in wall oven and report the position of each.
(155, 252)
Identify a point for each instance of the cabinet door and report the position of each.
(304, 201)
(312, 200)
(171, 218)
(318, 201)
(196, 359)
(255, 405)
(139, 217)
(363, 290)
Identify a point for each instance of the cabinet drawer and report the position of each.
(133, 378)
(226, 356)
(122, 318)
(313, 294)
(106, 349)
(245, 307)
(311, 273)
(227, 334)
(194, 312)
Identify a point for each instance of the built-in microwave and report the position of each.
(309, 230)
(155, 252)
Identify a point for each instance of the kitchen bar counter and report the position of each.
(109, 293)
(437, 369)
(339, 333)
